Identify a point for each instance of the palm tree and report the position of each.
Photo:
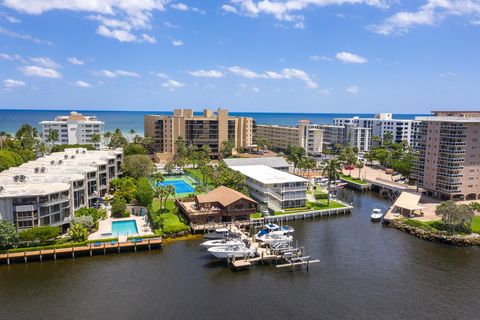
(132, 133)
(170, 191)
(52, 136)
(360, 166)
(42, 149)
(332, 171)
(387, 138)
(96, 138)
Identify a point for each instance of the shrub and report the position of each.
(85, 221)
(439, 225)
(78, 233)
(8, 234)
(137, 166)
(145, 193)
(41, 234)
(119, 205)
(319, 196)
(88, 212)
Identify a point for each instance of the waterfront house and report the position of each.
(220, 205)
(277, 189)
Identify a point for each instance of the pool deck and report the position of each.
(105, 227)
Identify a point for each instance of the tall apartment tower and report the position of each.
(447, 148)
(73, 129)
(210, 129)
(304, 135)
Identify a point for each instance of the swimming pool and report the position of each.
(179, 185)
(123, 228)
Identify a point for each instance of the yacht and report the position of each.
(272, 228)
(220, 233)
(231, 251)
(222, 243)
(272, 238)
(376, 215)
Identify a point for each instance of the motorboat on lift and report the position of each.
(222, 243)
(273, 238)
(272, 228)
(221, 233)
(226, 252)
(376, 215)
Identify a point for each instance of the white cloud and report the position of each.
(320, 58)
(228, 8)
(447, 74)
(245, 73)
(325, 92)
(171, 85)
(149, 39)
(431, 13)
(115, 74)
(162, 75)
(11, 83)
(256, 90)
(180, 6)
(23, 36)
(286, 73)
(177, 43)
(135, 15)
(4, 56)
(45, 62)
(348, 57)
(82, 84)
(170, 25)
(119, 34)
(353, 89)
(207, 73)
(475, 22)
(287, 10)
(183, 7)
(8, 18)
(35, 71)
(76, 61)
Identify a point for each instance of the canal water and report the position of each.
(366, 272)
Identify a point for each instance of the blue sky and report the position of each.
(244, 55)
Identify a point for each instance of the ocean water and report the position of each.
(11, 120)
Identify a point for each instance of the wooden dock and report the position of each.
(291, 257)
(87, 250)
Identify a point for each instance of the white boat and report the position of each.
(231, 251)
(272, 228)
(376, 215)
(220, 233)
(222, 243)
(272, 238)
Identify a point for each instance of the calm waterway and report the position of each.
(366, 272)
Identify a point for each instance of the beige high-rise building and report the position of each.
(447, 162)
(210, 129)
(304, 135)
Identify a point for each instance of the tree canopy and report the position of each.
(137, 166)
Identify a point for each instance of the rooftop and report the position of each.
(223, 195)
(267, 175)
(449, 119)
(54, 172)
(273, 162)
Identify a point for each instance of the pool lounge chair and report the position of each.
(114, 242)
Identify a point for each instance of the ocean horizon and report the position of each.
(12, 119)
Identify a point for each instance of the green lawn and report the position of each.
(476, 224)
(352, 179)
(167, 219)
(256, 215)
(197, 174)
(322, 205)
(319, 205)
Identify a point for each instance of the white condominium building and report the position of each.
(73, 129)
(48, 191)
(277, 189)
(401, 130)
